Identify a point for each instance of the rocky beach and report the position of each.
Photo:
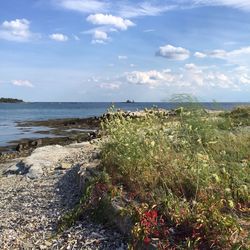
(39, 183)
(36, 191)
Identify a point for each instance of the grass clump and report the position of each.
(239, 116)
(189, 176)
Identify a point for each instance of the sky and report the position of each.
(92, 50)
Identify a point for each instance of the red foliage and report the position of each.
(154, 226)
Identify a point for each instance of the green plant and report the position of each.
(191, 167)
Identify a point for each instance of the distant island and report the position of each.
(130, 101)
(10, 100)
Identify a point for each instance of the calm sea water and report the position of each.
(12, 113)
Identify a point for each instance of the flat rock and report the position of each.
(45, 158)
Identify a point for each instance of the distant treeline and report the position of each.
(10, 100)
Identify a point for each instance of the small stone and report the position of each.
(48, 243)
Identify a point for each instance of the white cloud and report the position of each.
(59, 37)
(190, 77)
(16, 30)
(152, 78)
(130, 9)
(243, 74)
(22, 83)
(204, 77)
(200, 55)
(220, 80)
(143, 9)
(100, 35)
(173, 53)
(218, 53)
(84, 6)
(244, 78)
(111, 86)
(238, 56)
(122, 57)
(114, 21)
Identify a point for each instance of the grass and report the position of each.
(188, 173)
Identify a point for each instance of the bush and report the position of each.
(194, 174)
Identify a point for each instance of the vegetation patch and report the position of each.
(239, 116)
(188, 175)
(96, 202)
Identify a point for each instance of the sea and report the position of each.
(11, 113)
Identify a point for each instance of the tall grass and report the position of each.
(192, 168)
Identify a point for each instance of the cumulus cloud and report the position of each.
(190, 77)
(244, 78)
(22, 83)
(152, 78)
(16, 30)
(204, 77)
(59, 37)
(100, 35)
(84, 6)
(114, 21)
(243, 74)
(200, 55)
(173, 53)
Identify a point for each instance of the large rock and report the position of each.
(45, 158)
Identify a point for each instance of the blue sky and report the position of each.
(91, 50)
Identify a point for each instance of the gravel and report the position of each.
(30, 209)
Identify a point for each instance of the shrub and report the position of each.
(194, 174)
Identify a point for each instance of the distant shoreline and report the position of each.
(10, 100)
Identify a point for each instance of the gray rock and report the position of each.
(44, 158)
(16, 169)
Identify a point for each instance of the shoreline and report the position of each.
(65, 131)
(62, 131)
